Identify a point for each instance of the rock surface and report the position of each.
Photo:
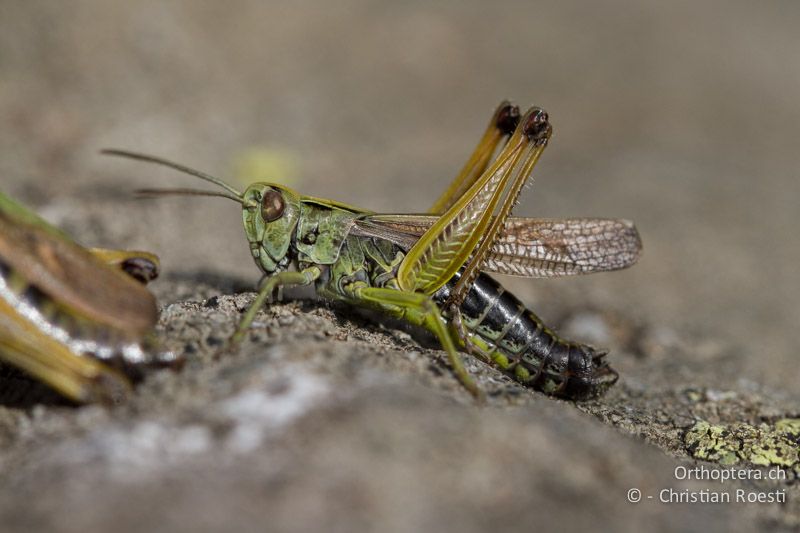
(325, 420)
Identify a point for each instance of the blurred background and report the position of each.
(682, 116)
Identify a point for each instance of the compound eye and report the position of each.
(272, 206)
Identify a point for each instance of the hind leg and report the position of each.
(421, 310)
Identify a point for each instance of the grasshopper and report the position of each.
(77, 319)
(427, 269)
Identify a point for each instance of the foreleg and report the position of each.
(282, 279)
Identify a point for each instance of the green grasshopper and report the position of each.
(426, 269)
(77, 319)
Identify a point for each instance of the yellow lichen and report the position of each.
(763, 445)
(789, 426)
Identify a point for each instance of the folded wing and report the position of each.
(532, 247)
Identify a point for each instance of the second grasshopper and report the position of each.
(77, 319)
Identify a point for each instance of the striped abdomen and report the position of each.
(503, 330)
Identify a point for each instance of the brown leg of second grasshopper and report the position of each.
(142, 266)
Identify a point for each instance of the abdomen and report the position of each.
(504, 331)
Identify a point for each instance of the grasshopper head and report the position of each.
(270, 213)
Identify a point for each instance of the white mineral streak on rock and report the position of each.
(256, 412)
